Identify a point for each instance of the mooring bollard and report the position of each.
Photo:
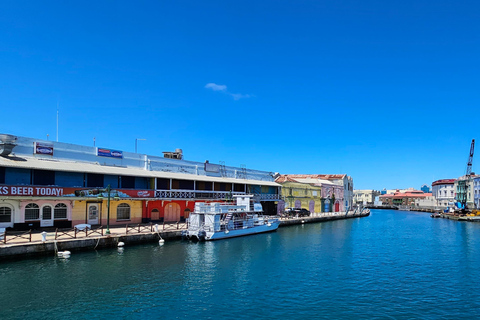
(44, 236)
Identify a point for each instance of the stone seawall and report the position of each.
(50, 247)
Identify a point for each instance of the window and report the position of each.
(94, 180)
(123, 211)
(2, 176)
(43, 177)
(5, 214)
(60, 211)
(32, 211)
(164, 184)
(127, 182)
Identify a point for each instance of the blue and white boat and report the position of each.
(214, 221)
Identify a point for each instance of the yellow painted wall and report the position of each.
(292, 191)
(79, 212)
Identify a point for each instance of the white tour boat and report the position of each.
(213, 221)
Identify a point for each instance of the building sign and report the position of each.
(31, 191)
(109, 153)
(39, 191)
(43, 148)
(210, 167)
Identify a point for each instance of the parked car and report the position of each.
(298, 212)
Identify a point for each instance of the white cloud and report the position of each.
(238, 96)
(223, 88)
(216, 87)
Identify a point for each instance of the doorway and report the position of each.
(93, 212)
(172, 212)
(46, 219)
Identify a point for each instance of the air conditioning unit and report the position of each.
(7, 143)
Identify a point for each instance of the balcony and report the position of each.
(210, 195)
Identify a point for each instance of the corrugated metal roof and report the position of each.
(45, 164)
(309, 179)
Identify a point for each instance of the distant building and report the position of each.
(444, 192)
(301, 195)
(364, 197)
(407, 198)
(392, 191)
(425, 188)
(464, 190)
(476, 191)
(337, 189)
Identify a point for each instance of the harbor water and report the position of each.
(390, 265)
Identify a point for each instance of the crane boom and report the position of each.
(470, 159)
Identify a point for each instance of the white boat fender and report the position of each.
(269, 224)
(161, 242)
(121, 244)
(63, 254)
(226, 231)
(303, 221)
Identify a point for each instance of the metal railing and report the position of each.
(12, 235)
(75, 232)
(215, 195)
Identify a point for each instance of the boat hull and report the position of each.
(218, 235)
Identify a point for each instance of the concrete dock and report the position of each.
(33, 244)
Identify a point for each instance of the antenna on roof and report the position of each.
(57, 120)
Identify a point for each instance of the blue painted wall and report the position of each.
(69, 179)
(110, 180)
(141, 183)
(17, 176)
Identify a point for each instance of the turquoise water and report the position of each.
(390, 265)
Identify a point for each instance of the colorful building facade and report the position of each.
(316, 191)
(52, 184)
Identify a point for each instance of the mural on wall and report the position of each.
(298, 204)
(280, 207)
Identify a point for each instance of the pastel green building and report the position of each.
(301, 195)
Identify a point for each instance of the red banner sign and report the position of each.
(38, 191)
(31, 191)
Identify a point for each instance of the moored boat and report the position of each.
(214, 221)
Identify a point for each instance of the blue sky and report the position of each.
(385, 91)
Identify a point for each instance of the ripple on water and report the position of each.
(390, 265)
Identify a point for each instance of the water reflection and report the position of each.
(391, 264)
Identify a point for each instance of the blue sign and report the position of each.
(109, 153)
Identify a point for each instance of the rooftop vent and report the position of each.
(177, 154)
(7, 143)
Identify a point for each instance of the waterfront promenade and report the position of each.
(27, 244)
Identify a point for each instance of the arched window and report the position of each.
(5, 214)
(32, 211)
(60, 211)
(123, 211)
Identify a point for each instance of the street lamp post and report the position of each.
(136, 143)
(108, 190)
